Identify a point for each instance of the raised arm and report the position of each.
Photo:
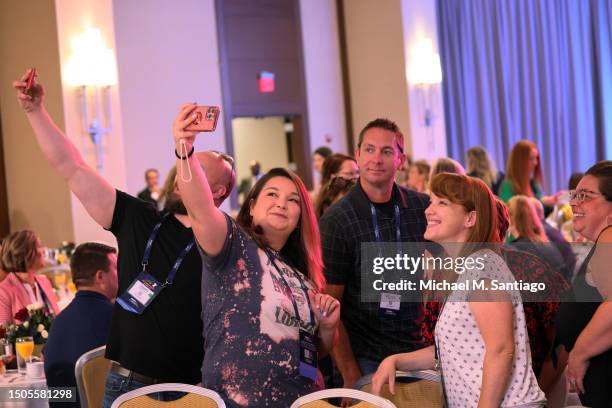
(208, 222)
(94, 192)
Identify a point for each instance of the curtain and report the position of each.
(526, 69)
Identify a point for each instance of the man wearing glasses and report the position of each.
(156, 329)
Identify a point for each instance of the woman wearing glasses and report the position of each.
(264, 314)
(584, 327)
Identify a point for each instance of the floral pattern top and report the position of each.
(252, 351)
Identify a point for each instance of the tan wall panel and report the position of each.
(38, 199)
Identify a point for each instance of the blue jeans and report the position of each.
(117, 385)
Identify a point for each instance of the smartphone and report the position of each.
(206, 119)
(30, 80)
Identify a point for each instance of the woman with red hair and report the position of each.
(481, 334)
(524, 175)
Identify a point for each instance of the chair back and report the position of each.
(90, 371)
(425, 392)
(317, 399)
(195, 397)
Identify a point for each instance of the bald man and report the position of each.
(156, 329)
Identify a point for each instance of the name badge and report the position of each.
(390, 304)
(140, 293)
(308, 356)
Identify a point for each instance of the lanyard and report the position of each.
(179, 260)
(398, 232)
(304, 288)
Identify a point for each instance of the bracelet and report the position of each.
(184, 157)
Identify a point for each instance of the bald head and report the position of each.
(219, 172)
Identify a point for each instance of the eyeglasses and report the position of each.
(583, 195)
(341, 183)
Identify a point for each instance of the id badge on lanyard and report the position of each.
(140, 294)
(390, 303)
(146, 287)
(309, 357)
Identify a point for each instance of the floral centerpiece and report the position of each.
(33, 322)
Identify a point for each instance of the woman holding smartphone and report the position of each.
(480, 335)
(265, 318)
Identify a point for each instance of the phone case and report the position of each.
(30, 79)
(206, 119)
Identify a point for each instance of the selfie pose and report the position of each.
(265, 319)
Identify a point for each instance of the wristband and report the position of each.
(184, 157)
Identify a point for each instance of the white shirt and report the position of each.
(462, 349)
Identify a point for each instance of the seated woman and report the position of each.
(481, 335)
(418, 177)
(480, 165)
(264, 315)
(331, 193)
(339, 165)
(21, 256)
(530, 236)
(584, 324)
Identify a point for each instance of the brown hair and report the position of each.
(446, 165)
(332, 165)
(331, 192)
(603, 172)
(384, 124)
(87, 259)
(473, 195)
(517, 171)
(303, 247)
(525, 220)
(19, 251)
(479, 163)
(503, 218)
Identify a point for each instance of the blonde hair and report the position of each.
(524, 219)
(480, 164)
(19, 251)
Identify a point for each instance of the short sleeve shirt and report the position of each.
(165, 341)
(252, 333)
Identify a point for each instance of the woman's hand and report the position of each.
(576, 370)
(32, 100)
(551, 201)
(182, 120)
(385, 374)
(326, 309)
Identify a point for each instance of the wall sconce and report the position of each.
(92, 68)
(425, 74)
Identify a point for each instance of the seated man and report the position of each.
(84, 325)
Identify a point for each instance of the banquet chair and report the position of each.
(424, 391)
(317, 399)
(195, 397)
(90, 372)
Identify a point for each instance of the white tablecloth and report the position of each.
(13, 380)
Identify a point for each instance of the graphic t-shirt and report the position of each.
(252, 333)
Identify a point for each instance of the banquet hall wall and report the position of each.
(158, 70)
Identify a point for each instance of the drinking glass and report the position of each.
(24, 347)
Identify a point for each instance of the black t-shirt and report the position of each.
(165, 341)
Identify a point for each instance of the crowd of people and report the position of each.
(248, 305)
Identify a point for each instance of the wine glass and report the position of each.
(24, 346)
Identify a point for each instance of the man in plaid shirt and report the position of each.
(376, 210)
